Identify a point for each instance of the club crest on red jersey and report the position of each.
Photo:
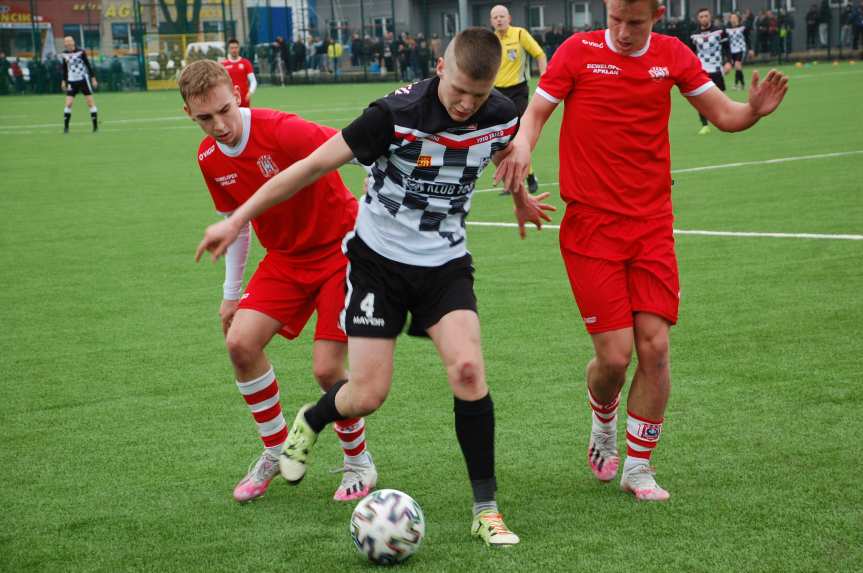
(267, 166)
(658, 72)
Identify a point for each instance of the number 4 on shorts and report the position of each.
(368, 305)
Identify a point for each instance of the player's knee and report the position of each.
(466, 372)
(368, 402)
(614, 364)
(653, 351)
(242, 352)
(327, 373)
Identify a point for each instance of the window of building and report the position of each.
(121, 34)
(536, 17)
(339, 31)
(676, 9)
(788, 5)
(382, 26)
(86, 37)
(450, 24)
(725, 7)
(580, 15)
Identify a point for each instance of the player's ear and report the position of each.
(237, 95)
(439, 67)
(188, 111)
(660, 12)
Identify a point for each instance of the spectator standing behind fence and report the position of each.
(357, 51)
(435, 47)
(281, 57)
(4, 73)
(786, 31)
(824, 19)
(298, 56)
(812, 27)
(845, 26)
(334, 54)
(857, 24)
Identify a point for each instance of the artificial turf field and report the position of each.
(123, 433)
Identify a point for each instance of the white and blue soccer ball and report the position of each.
(388, 526)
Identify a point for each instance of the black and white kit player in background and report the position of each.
(711, 46)
(78, 76)
(737, 47)
(426, 145)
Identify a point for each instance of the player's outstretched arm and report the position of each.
(515, 161)
(729, 115)
(328, 157)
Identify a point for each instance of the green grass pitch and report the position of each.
(123, 434)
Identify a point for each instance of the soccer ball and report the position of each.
(388, 526)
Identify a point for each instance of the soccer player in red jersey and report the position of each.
(242, 73)
(302, 272)
(616, 237)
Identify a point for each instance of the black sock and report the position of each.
(738, 77)
(325, 412)
(66, 118)
(94, 117)
(703, 119)
(474, 428)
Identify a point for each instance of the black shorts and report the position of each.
(381, 292)
(82, 86)
(718, 78)
(738, 57)
(519, 94)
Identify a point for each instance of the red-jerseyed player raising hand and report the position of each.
(616, 237)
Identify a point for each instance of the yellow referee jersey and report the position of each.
(513, 66)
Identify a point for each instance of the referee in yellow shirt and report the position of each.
(514, 68)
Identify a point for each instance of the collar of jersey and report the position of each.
(610, 43)
(247, 129)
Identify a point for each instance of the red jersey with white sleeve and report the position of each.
(614, 149)
(309, 225)
(239, 71)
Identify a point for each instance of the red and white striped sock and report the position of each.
(642, 436)
(604, 415)
(352, 436)
(262, 397)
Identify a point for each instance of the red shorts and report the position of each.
(289, 292)
(618, 266)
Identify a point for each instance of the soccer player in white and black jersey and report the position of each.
(737, 47)
(78, 76)
(711, 47)
(426, 145)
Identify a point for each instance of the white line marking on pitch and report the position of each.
(708, 233)
(725, 166)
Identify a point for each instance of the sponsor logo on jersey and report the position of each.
(593, 44)
(590, 320)
(604, 69)
(658, 73)
(511, 55)
(267, 166)
(439, 189)
(649, 432)
(424, 161)
(207, 152)
(227, 180)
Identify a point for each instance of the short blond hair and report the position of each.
(198, 78)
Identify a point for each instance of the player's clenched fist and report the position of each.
(217, 238)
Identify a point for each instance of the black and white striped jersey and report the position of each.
(710, 46)
(423, 169)
(76, 66)
(737, 39)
